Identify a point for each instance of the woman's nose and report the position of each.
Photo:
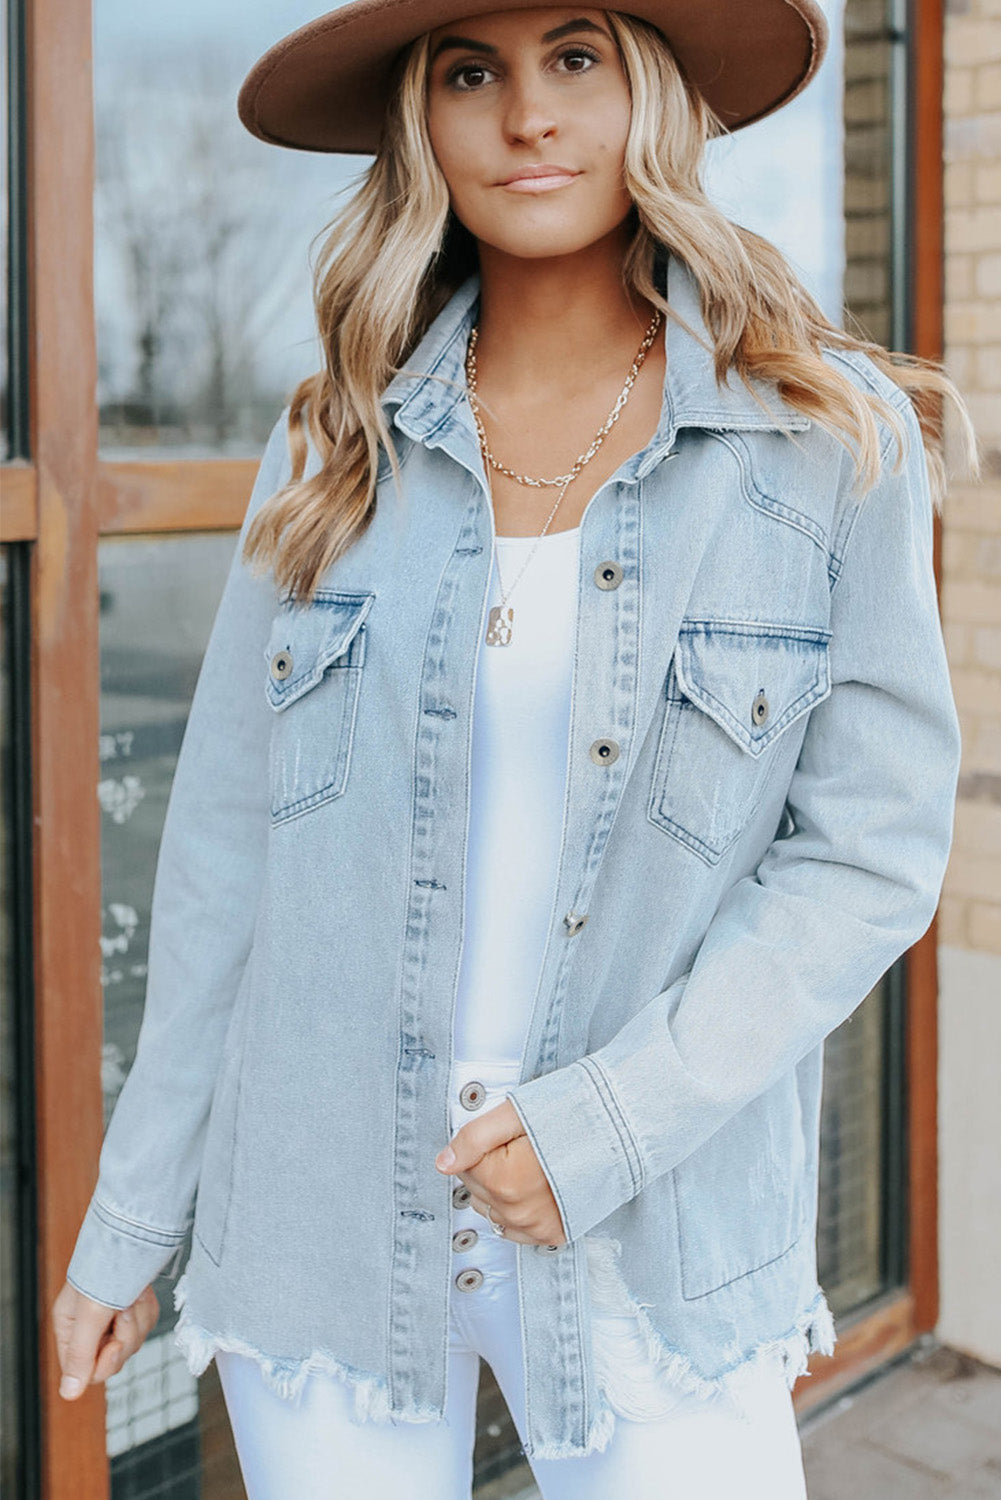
(528, 116)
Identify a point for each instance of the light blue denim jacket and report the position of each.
(762, 763)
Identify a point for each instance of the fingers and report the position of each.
(538, 1230)
(494, 1130)
(129, 1329)
(94, 1340)
(80, 1324)
(510, 1233)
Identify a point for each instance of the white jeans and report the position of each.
(692, 1449)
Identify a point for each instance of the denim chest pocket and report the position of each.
(315, 660)
(733, 690)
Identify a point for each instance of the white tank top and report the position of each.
(521, 722)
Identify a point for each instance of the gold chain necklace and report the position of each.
(501, 619)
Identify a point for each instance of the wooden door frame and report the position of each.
(62, 501)
(68, 1007)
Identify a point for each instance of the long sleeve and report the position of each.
(205, 894)
(795, 946)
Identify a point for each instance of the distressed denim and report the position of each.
(743, 1442)
(762, 764)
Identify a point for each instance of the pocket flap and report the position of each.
(304, 640)
(753, 679)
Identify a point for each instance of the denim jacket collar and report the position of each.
(427, 410)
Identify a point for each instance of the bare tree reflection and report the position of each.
(197, 259)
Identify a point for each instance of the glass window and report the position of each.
(202, 233)
(158, 598)
(852, 1173)
(19, 1448)
(783, 176)
(5, 328)
(862, 1168)
(13, 1207)
(13, 282)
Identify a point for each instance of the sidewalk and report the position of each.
(928, 1427)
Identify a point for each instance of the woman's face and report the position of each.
(520, 89)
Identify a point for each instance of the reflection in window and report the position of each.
(202, 233)
(861, 1171)
(168, 1436)
(850, 1221)
(5, 445)
(12, 1458)
(783, 176)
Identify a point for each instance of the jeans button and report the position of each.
(464, 1239)
(460, 1196)
(472, 1094)
(469, 1280)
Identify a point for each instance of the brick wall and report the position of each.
(970, 915)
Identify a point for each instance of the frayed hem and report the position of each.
(669, 1375)
(599, 1436)
(286, 1377)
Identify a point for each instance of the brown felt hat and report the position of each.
(324, 87)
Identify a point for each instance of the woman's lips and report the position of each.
(540, 184)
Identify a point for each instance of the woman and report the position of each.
(573, 886)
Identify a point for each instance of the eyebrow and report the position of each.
(466, 42)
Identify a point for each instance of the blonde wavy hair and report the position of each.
(393, 257)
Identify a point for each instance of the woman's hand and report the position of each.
(95, 1340)
(495, 1159)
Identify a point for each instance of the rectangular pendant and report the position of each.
(499, 625)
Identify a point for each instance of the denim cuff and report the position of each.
(115, 1259)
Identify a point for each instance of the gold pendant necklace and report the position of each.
(500, 621)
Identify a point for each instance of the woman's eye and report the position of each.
(584, 52)
(464, 69)
(452, 79)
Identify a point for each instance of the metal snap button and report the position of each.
(472, 1094)
(469, 1280)
(574, 921)
(464, 1239)
(604, 752)
(759, 708)
(608, 575)
(281, 665)
(460, 1196)
(548, 1249)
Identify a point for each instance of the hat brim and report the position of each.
(324, 87)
